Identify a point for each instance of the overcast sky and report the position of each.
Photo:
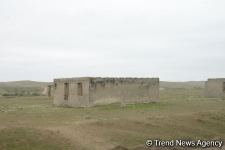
(176, 40)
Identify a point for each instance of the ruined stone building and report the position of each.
(215, 88)
(87, 91)
(50, 90)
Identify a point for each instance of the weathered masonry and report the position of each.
(87, 91)
(50, 90)
(215, 88)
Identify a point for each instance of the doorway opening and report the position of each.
(79, 89)
(66, 91)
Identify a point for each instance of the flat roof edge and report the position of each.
(216, 78)
(103, 78)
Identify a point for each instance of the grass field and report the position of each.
(33, 123)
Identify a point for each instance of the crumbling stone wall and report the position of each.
(73, 98)
(97, 91)
(215, 88)
(124, 90)
(50, 90)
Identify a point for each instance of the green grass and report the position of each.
(181, 113)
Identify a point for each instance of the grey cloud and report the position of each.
(175, 40)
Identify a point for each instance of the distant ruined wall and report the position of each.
(50, 91)
(74, 99)
(45, 91)
(215, 88)
(124, 90)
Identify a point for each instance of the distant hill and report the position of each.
(188, 84)
(25, 83)
(22, 88)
